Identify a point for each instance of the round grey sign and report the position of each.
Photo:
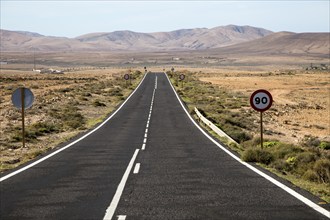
(16, 98)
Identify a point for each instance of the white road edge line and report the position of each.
(136, 168)
(115, 200)
(274, 181)
(76, 141)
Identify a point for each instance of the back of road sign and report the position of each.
(16, 98)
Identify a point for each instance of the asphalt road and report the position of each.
(149, 161)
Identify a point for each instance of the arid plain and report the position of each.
(301, 93)
(92, 86)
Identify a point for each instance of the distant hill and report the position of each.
(229, 39)
(283, 43)
(184, 39)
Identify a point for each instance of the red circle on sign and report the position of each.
(261, 100)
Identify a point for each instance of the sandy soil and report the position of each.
(301, 99)
(49, 92)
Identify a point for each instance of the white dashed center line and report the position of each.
(113, 205)
(112, 208)
(137, 168)
(121, 217)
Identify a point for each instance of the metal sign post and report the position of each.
(22, 99)
(261, 132)
(23, 113)
(261, 100)
(181, 77)
(126, 77)
(172, 70)
(130, 77)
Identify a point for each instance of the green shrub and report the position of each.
(235, 122)
(97, 103)
(34, 131)
(238, 135)
(44, 128)
(257, 155)
(286, 150)
(322, 169)
(69, 116)
(306, 157)
(116, 92)
(254, 142)
(233, 145)
(29, 136)
(281, 165)
(270, 144)
(311, 176)
(291, 161)
(325, 145)
(310, 141)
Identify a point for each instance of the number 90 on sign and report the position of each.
(261, 100)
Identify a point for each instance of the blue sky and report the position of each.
(74, 18)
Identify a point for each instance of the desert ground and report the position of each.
(85, 95)
(301, 99)
(92, 83)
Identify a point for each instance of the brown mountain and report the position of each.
(283, 43)
(184, 39)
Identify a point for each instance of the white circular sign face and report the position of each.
(261, 100)
(182, 76)
(16, 98)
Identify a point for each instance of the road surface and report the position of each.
(148, 161)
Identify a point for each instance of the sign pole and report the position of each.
(130, 77)
(126, 78)
(22, 99)
(23, 113)
(261, 100)
(261, 132)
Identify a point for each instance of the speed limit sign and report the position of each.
(261, 100)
